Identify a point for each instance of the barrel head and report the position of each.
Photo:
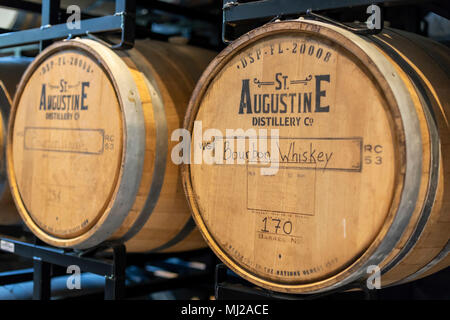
(66, 142)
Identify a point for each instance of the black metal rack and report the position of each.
(235, 12)
(241, 16)
(122, 21)
(113, 270)
(49, 262)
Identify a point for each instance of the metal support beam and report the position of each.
(44, 257)
(127, 10)
(59, 257)
(41, 279)
(123, 20)
(14, 276)
(49, 17)
(115, 284)
(240, 17)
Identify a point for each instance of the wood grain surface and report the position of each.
(359, 177)
(89, 142)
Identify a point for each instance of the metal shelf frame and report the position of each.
(257, 12)
(49, 262)
(43, 256)
(122, 21)
(235, 12)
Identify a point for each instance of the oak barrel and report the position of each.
(326, 155)
(88, 143)
(11, 69)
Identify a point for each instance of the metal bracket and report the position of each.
(361, 31)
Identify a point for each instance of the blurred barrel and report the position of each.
(11, 69)
(88, 147)
(344, 158)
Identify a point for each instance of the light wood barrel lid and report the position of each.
(330, 207)
(105, 174)
(70, 141)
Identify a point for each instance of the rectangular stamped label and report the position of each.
(341, 154)
(292, 189)
(7, 246)
(83, 141)
(288, 191)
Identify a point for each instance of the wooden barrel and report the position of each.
(88, 143)
(330, 156)
(11, 69)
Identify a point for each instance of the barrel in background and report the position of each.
(11, 69)
(89, 140)
(362, 156)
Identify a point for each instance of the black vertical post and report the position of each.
(49, 16)
(221, 276)
(41, 279)
(115, 283)
(126, 8)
